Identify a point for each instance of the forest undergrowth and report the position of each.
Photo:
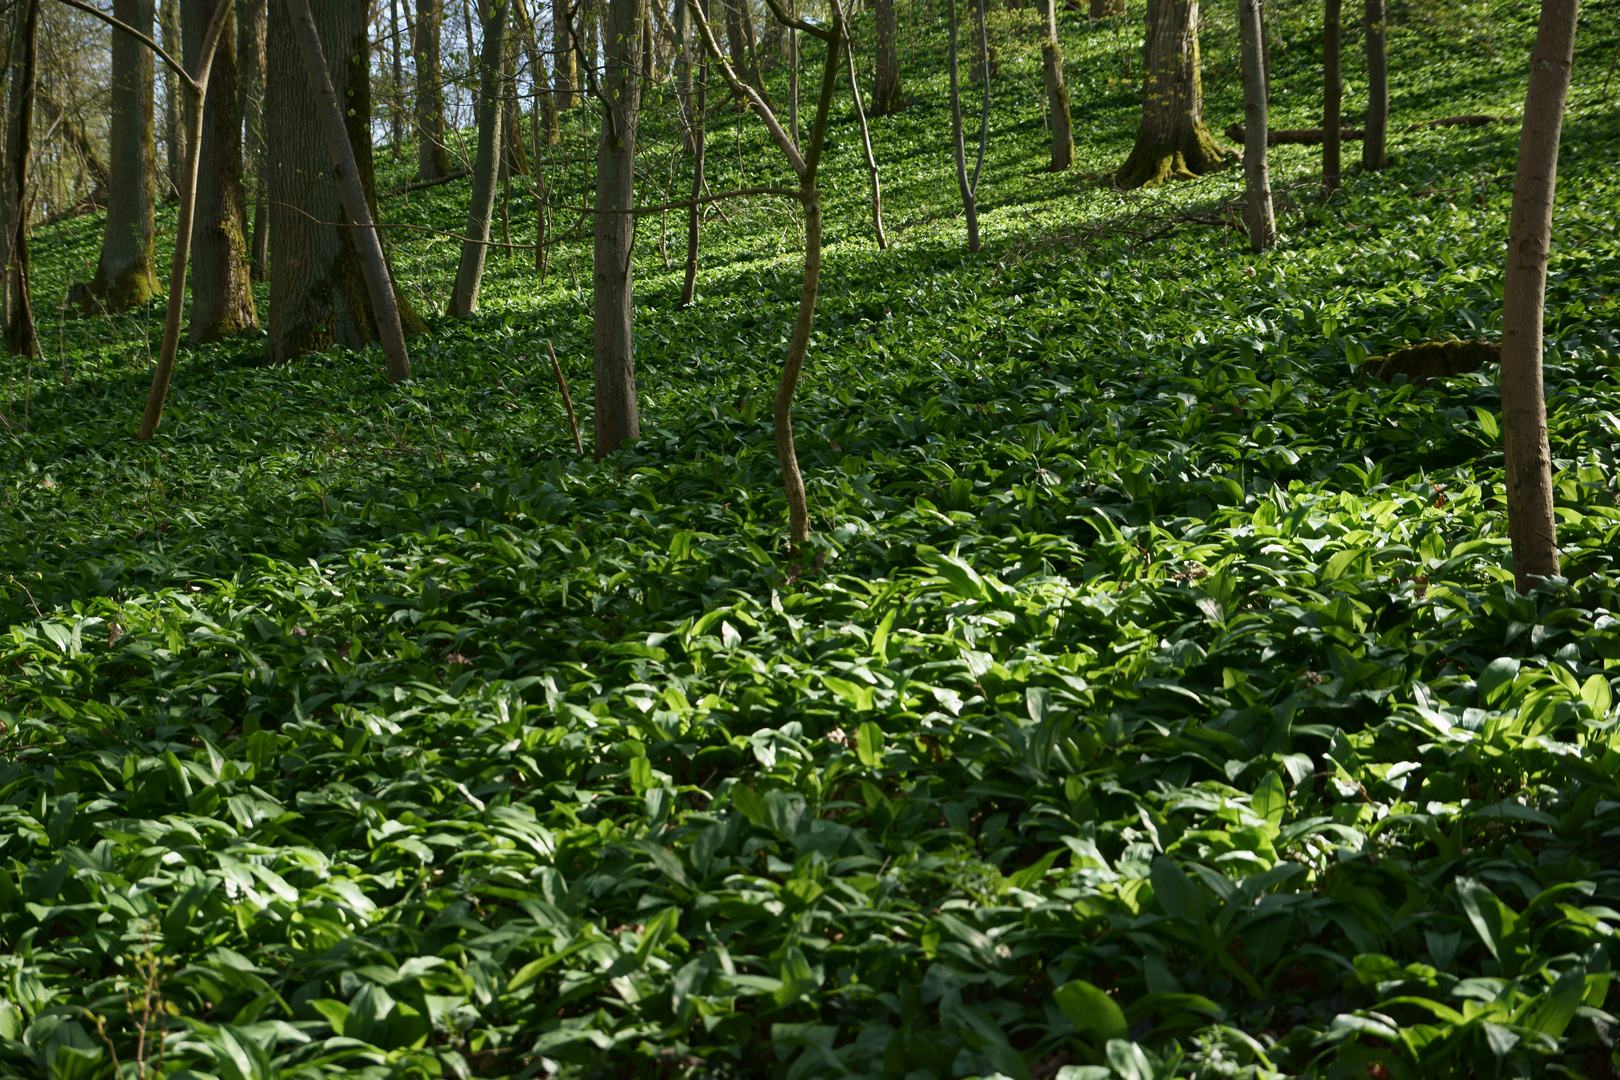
(1152, 699)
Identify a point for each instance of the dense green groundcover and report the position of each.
(1153, 701)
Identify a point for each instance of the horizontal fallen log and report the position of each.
(1314, 136)
(423, 184)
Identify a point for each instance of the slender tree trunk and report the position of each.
(887, 98)
(250, 104)
(174, 98)
(1173, 142)
(1057, 95)
(432, 159)
(396, 106)
(866, 145)
(735, 41)
(964, 184)
(13, 149)
(221, 286)
(491, 118)
(1527, 453)
(564, 75)
(543, 113)
(700, 123)
(514, 154)
(20, 333)
(1257, 213)
(321, 291)
(1372, 147)
(124, 276)
(1332, 95)
(613, 293)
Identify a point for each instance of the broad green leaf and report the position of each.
(1090, 1010)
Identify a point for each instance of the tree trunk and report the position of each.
(886, 96)
(966, 184)
(221, 285)
(174, 99)
(514, 154)
(736, 43)
(1173, 142)
(545, 103)
(52, 114)
(866, 147)
(396, 105)
(564, 74)
(1257, 213)
(1526, 451)
(432, 159)
(250, 104)
(13, 150)
(1332, 95)
(318, 294)
(1372, 147)
(1057, 95)
(124, 276)
(700, 123)
(20, 334)
(617, 414)
(491, 119)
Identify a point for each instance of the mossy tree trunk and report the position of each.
(1057, 94)
(886, 96)
(1526, 449)
(1173, 142)
(124, 275)
(221, 282)
(318, 293)
(486, 167)
(432, 159)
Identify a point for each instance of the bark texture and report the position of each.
(612, 288)
(699, 113)
(174, 98)
(318, 295)
(13, 148)
(1332, 94)
(1057, 94)
(124, 275)
(491, 121)
(1174, 142)
(250, 103)
(432, 159)
(221, 282)
(886, 96)
(1372, 147)
(20, 333)
(1527, 454)
(564, 72)
(1257, 212)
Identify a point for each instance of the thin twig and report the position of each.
(562, 384)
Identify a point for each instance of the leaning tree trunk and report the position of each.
(250, 104)
(221, 282)
(318, 293)
(491, 119)
(1332, 95)
(174, 98)
(1527, 453)
(1257, 213)
(1372, 147)
(1057, 95)
(432, 159)
(124, 275)
(886, 96)
(20, 334)
(564, 74)
(1173, 142)
(612, 287)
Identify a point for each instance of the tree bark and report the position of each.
(432, 159)
(866, 147)
(700, 123)
(1173, 142)
(1372, 147)
(320, 294)
(1257, 212)
(1057, 95)
(21, 336)
(491, 119)
(396, 105)
(221, 284)
(735, 40)
(124, 275)
(545, 102)
(514, 155)
(612, 288)
(174, 99)
(13, 150)
(887, 98)
(1332, 95)
(1526, 450)
(966, 185)
(250, 103)
(564, 74)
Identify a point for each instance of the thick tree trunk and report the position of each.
(221, 285)
(886, 96)
(432, 159)
(124, 276)
(20, 334)
(564, 74)
(318, 294)
(1257, 213)
(1332, 95)
(174, 99)
(491, 119)
(617, 414)
(1372, 147)
(1057, 95)
(1173, 142)
(1527, 454)
(250, 103)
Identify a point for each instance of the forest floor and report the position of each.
(1153, 699)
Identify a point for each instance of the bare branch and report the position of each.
(117, 24)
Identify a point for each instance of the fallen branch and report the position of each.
(1313, 136)
(562, 384)
(421, 185)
